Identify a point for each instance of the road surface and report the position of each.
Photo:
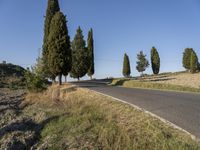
(182, 109)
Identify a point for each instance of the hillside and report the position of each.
(11, 76)
(8, 70)
(179, 81)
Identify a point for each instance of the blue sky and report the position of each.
(119, 26)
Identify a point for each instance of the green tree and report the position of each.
(193, 63)
(79, 56)
(38, 68)
(142, 62)
(155, 60)
(52, 8)
(35, 82)
(59, 59)
(186, 58)
(126, 66)
(90, 48)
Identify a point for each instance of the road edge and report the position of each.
(151, 114)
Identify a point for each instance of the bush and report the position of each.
(16, 84)
(35, 83)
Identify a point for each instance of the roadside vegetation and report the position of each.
(180, 81)
(67, 117)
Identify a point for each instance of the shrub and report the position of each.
(35, 83)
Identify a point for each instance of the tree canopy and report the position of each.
(126, 66)
(90, 48)
(142, 62)
(155, 60)
(59, 46)
(193, 62)
(52, 8)
(79, 56)
(186, 58)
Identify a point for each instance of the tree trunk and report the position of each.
(60, 79)
(78, 79)
(65, 79)
(90, 77)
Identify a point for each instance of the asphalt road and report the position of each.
(182, 109)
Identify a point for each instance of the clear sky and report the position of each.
(119, 26)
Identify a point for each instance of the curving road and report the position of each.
(182, 109)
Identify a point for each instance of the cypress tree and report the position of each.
(193, 63)
(126, 66)
(52, 8)
(186, 58)
(79, 56)
(90, 48)
(142, 62)
(155, 60)
(59, 46)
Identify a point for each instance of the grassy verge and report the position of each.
(74, 118)
(150, 85)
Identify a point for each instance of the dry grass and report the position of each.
(171, 81)
(88, 120)
(184, 79)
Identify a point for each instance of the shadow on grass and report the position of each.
(156, 80)
(121, 82)
(27, 125)
(11, 103)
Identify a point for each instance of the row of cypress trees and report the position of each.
(190, 62)
(142, 63)
(60, 56)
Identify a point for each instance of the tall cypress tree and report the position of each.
(79, 56)
(155, 60)
(90, 48)
(126, 66)
(59, 59)
(186, 58)
(52, 8)
(193, 62)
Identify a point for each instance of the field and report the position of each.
(68, 117)
(180, 81)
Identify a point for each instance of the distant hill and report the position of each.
(11, 76)
(10, 70)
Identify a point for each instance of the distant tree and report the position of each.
(155, 60)
(59, 59)
(193, 63)
(186, 58)
(142, 62)
(90, 48)
(52, 8)
(79, 56)
(126, 66)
